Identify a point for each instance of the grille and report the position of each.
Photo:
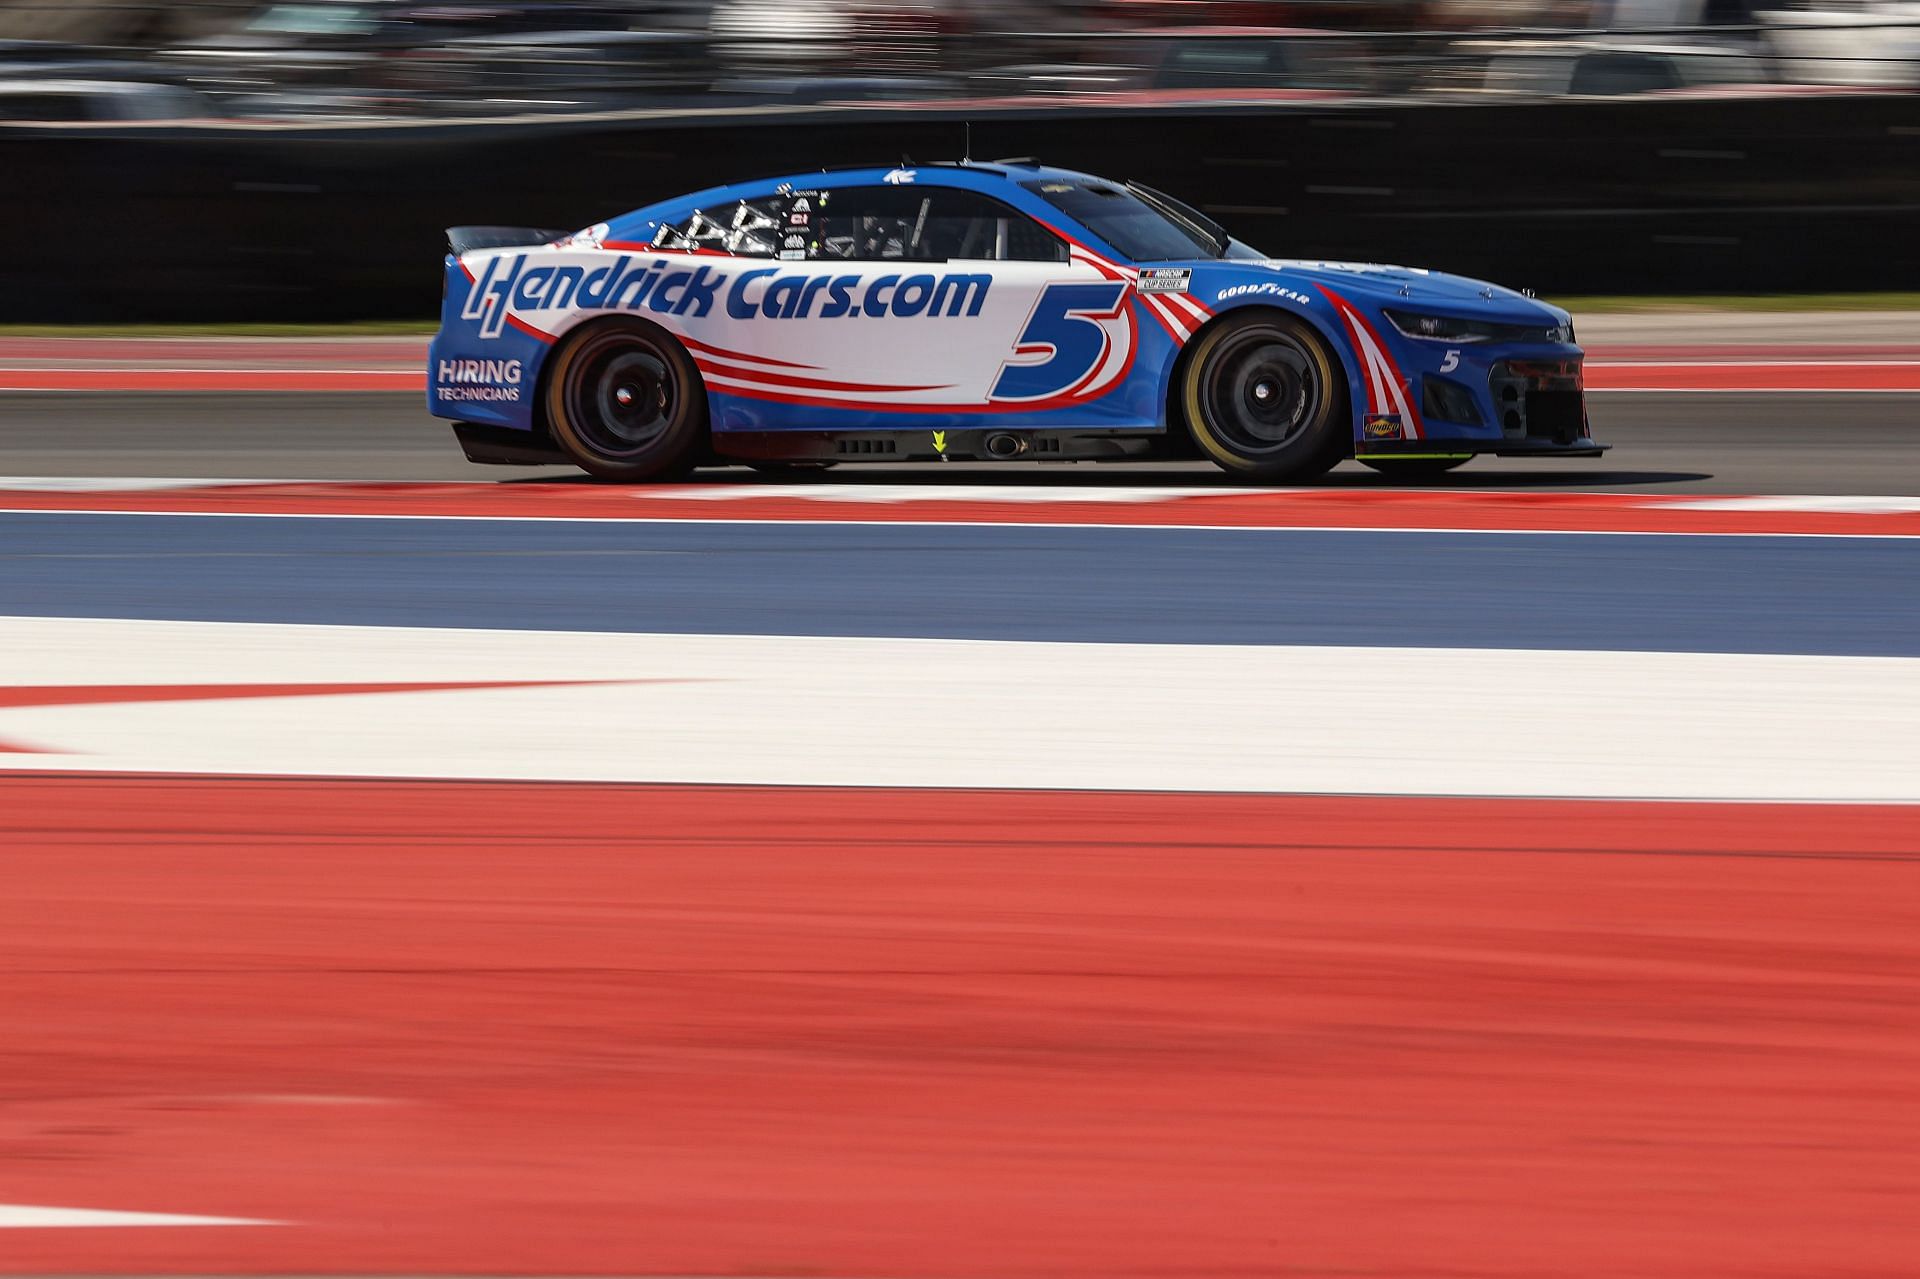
(1555, 415)
(866, 446)
(1539, 399)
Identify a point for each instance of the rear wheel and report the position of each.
(1413, 468)
(626, 403)
(1263, 398)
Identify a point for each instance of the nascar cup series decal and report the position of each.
(1164, 279)
(1020, 336)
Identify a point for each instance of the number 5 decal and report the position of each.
(1065, 327)
(1451, 363)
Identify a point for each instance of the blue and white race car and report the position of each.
(977, 312)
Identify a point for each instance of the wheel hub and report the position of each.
(1262, 390)
(621, 395)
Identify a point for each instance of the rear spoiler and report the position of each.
(465, 239)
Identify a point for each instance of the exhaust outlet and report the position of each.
(1002, 444)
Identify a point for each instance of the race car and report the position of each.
(977, 312)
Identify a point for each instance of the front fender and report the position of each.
(1310, 306)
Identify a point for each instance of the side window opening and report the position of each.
(926, 224)
(746, 228)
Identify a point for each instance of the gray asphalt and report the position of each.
(1704, 443)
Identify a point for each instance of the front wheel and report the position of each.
(1263, 398)
(1414, 468)
(626, 403)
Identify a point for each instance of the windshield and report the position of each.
(1127, 222)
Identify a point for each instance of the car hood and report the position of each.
(1409, 286)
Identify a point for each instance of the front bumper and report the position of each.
(1518, 403)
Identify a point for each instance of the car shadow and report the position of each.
(1195, 476)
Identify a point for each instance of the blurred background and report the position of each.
(390, 58)
(295, 161)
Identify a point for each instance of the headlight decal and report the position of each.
(1462, 332)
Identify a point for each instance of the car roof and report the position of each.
(976, 175)
(1002, 179)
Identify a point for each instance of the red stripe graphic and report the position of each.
(769, 380)
(708, 348)
(1387, 389)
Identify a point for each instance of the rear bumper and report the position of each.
(506, 446)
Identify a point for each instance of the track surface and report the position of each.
(495, 1029)
(1570, 592)
(992, 1021)
(1779, 443)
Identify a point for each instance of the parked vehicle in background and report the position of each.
(1599, 68)
(1196, 64)
(52, 101)
(1838, 43)
(556, 71)
(349, 43)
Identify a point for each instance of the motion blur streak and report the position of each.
(739, 1030)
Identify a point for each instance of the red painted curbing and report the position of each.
(564, 1029)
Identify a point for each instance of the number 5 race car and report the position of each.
(977, 312)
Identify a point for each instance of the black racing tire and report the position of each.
(1264, 397)
(1415, 468)
(625, 403)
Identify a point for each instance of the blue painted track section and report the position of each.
(1550, 591)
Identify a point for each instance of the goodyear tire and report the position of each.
(1265, 398)
(625, 402)
(1414, 468)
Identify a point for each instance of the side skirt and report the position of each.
(1584, 446)
(993, 445)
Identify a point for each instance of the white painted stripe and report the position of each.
(30, 1217)
(1803, 502)
(796, 710)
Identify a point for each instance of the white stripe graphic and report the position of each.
(1395, 397)
(1182, 330)
(1193, 309)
